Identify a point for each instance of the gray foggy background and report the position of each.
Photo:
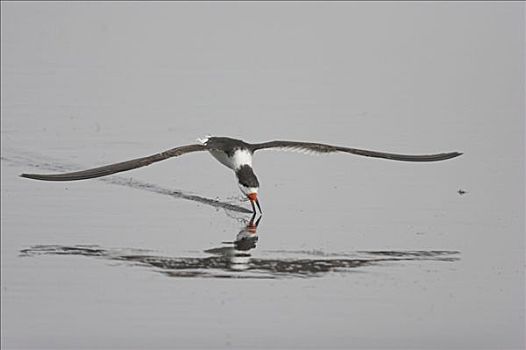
(85, 84)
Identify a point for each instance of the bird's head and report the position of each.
(252, 194)
(248, 184)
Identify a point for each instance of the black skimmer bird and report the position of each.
(236, 155)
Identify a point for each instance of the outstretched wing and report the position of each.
(323, 148)
(117, 167)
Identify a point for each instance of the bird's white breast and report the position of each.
(239, 158)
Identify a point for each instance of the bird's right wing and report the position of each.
(324, 148)
(117, 167)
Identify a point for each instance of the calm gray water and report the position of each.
(351, 252)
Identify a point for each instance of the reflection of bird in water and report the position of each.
(236, 155)
(246, 238)
(237, 251)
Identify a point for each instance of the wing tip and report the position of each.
(446, 156)
(30, 176)
(40, 177)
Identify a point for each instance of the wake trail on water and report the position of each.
(25, 159)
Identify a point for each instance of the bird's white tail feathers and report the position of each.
(203, 140)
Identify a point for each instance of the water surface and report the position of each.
(351, 252)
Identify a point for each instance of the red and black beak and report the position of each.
(253, 197)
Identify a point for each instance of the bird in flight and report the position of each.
(236, 155)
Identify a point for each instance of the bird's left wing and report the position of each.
(324, 148)
(117, 167)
